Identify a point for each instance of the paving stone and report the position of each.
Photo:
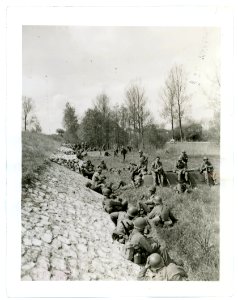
(47, 237)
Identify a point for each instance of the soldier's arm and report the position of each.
(141, 275)
(152, 214)
(145, 244)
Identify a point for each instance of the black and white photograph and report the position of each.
(120, 156)
(120, 153)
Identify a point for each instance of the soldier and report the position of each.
(98, 181)
(181, 170)
(181, 188)
(87, 169)
(159, 271)
(143, 161)
(124, 224)
(123, 153)
(161, 215)
(112, 204)
(102, 165)
(157, 171)
(208, 170)
(147, 205)
(184, 158)
(140, 247)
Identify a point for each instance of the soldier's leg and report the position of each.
(114, 217)
(154, 175)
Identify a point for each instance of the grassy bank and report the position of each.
(36, 148)
(195, 237)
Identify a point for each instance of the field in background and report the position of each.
(194, 148)
(195, 238)
(36, 149)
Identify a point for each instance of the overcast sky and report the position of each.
(75, 64)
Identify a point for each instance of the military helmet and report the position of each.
(205, 158)
(106, 192)
(183, 151)
(157, 200)
(140, 223)
(155, 260)
(140, 151)
(158, 156)
(132, 211)
(152, 189)
(88, 184)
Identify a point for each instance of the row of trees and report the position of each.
(131, 122)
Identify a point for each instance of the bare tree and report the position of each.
(27, 107)
(138, 114)
(180, 94)
(168, 97)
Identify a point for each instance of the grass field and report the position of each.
(36, 149)
(195, 237)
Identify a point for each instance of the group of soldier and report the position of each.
(133, 224)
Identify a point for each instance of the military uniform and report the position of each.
(87, 170)
(147, 205)
(208, 170)
(184, 158)
(172, 272)
(162, 215)
(180, 169)
(114, 205)
(145, 246)
(157, 172)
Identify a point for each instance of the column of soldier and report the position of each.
(133, 224)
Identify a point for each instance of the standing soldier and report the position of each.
(208, 170)
(161, 272)
(143, 161)
(123, 152)
(181, 170)
(157, 171)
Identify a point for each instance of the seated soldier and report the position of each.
(159, 271)
(139, 247)
(161, 214)
(112, 204)
(124, 224)
(208, 170)
(102, 165)
(181, 188)
(184, 158)
(146, 206)
(98, 181)
(181, 170)
(87, 169)
(157, 171)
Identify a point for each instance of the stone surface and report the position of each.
(66, 235)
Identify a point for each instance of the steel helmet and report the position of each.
(155, 260)
(140, 223)
(158, 200)
(132, 212)
(183, 151)
(205, 158)
(152, 188)
(158, 156)
(140, 151)
(106, 192)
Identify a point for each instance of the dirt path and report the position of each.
(66, 235)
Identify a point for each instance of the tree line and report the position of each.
(131, 122)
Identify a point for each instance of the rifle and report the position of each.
(126, 229)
